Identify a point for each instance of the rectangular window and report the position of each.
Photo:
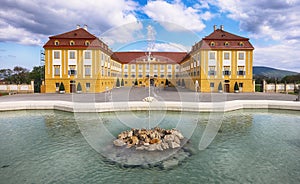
(72, 70)
(241, 56)
(140, 67)
(87, 85)
(212, 70)
(226, 55)
(57, 86)
(240, 85)
(155, 67)
(87, 55)
(226, 70)
(162, 67)
(125, 66)
(57, 70)
(212, 55)
(102, 71)
(212, 85)
(87, 70)
(72, 55)
(241, 70)
(132, 67)
(56, 55)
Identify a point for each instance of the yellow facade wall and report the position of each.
(97, 81)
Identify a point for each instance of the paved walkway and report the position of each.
(137, 94)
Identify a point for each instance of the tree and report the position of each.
(236, 87)
(20, 75)
(37, 75)
(118, 83)
(220, 87)
(61, 87)
(122, 82)
(135, 82)
(79, 88)
(167, 82)
(183, 83)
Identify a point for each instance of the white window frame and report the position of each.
(227, 62)
(85, 70)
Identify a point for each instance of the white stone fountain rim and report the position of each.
(140, 106)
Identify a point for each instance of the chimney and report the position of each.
(78, 26)
(222, 27)
(215, 27)
(85, 27)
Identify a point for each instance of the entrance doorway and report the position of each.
(72, 86)
(151, 82)
(226, 88)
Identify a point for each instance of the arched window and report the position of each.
(241, 44)
(212, 44)
(72, 42)
(56, 42)
(87, 43)
(226, 44)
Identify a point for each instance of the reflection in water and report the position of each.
(48, 147)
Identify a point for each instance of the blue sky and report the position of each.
(272, 26)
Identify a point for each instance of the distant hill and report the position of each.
(271, 72)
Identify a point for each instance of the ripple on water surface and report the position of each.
(250, 147)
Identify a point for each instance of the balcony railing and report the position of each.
(72, 72)
(226, 72)
(241, 73)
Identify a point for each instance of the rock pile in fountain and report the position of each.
(150, 139)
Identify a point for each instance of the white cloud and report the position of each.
(29, 21)
(170, 47)
(278, 56)
(275, 22)
(123, 34)
(19, 35)
(175, 16)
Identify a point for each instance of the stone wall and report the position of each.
(280, 88)
(14, 88)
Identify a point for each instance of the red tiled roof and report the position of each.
(79, 36)
(220, 34)
(160, 57)
(219, 37)
(75, 34)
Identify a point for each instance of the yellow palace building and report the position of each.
(78, 58)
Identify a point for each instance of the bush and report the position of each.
(220, 88)
(118, 82)
(236, 86)
(79, 88)
(183, 83)
(122, 82)
(61, 87)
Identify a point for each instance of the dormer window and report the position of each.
(56, 42)
(87, 43)
(212, 44)
(72, 42)
(226, 44)
(241, 44)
